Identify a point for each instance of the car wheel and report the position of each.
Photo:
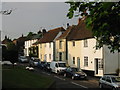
(57, 72)
(73, 78)
(100, 86)
(65, 75)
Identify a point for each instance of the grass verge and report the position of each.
(18, 77)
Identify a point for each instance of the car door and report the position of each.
(103, 81)
(108, 82)
(56, 67)
(68, 72)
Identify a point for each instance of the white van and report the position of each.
(57, 66)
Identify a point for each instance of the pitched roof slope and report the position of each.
(77, 32)
(81, 32)
(50, 35)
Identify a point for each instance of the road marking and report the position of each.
(79, 85)
(59, 78)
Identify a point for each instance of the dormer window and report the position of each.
(60, 44)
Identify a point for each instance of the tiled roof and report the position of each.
(80, 32)
(21, 39)
(37, 36)
(50, 35)
(77, 32)
(67, 32)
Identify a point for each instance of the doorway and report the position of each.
(60, 56)
(96, 65)
(78, 62)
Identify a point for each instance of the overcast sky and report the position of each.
(31, 16)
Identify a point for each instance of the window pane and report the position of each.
(73, 43)
(85, 43)
(86, 61)
(73, 60)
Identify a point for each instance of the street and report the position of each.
(62, 82)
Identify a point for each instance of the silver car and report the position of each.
(34, 61)
(110, 81)
(22, 59)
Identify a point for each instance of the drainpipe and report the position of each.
(118, 64)
(103, 60)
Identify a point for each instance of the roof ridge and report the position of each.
(56, 29)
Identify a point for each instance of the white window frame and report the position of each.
(86, 61)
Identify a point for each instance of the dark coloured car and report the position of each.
(110, 81)
(47, 67)
(42, 65)
(74, 73)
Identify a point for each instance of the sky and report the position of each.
(33, 16)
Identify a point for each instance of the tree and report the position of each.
(10, 52)
(103, 18)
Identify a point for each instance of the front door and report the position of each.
(96, 66)
(60, 56)
(78, 62)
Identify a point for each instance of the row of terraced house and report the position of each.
(76, 47)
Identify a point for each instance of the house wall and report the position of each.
(92, 55)
(60, 50)
(49, 52)
(109, 61)
(73, 51)
(41, 51)
(79, 52)
(112, 61)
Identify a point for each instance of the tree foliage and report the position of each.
(103, 18)
(10, 52)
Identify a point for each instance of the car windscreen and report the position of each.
(23, 57)
(36, 60)
(116, 79)
(42, 62)
(61, 64)
(74, 69)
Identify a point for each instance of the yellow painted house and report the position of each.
(41, 50)
(47, 44)
(61, 43)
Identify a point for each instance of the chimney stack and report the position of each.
(43, 32)
(68, 25)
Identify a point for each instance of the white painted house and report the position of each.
(28, 44)
(30, 41)
(47, 44)
(82, 53)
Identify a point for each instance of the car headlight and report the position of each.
(76, 75)
(85, 74)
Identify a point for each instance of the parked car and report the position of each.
(57, 67)
(110, 81)
(6, 63)
(42, 65)
(22, 59)
(74, 73)
(47, 67)
(34, 61)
